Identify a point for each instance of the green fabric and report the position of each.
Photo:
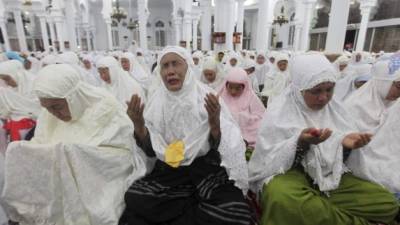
(291, 198)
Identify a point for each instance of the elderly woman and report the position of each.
(277, 79)
(199, 170)
(135, 70)
(369, 103)
(19, 107)
(243, 103)
(117, 81)
(81, 161)
(298, 162)
(211, 75)
(346, 86)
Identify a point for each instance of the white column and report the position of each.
(263, 25)
(205, 24)
(52, 31)
(177, 26)
(365, 7)
(337, 26)
(297, 31)
(43, 28)
(89, 46)
(109, 34)
(143, 15)
(70, 24)
(20, 30)
(4, 33)
(240, 21)
(230, 23)
(59, 28)
(305, 32)
(187, 30)
(195, 24)
(78, 35)
(94, 40)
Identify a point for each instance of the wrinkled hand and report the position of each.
(214, 110)
(356, 140)
(135, 113)
(314, 136)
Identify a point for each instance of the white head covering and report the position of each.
(68, 160)
(368, 104)
(211, 64)
(276, 80)
(15, 70)
(35, 64)
(136, 70)
(48, 60)
(288, 116)
(379, 160)
(122, 85)
(181, 116)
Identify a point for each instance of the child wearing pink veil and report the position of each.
(246, 108)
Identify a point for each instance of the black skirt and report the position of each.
(197, 194)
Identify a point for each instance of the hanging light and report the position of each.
(27, 3)
(118, 13)
(281, 19)
(132, 24)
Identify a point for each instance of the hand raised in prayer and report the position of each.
(356, 140)
(135, 113)
(213, 109)
(314, 136)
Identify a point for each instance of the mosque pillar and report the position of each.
(88, 45)
(70, 25)
(58, 20)
(337, 26)
(230, 23)
(78, 35)
(205, 23)
(52, 30)
(108, 22)
(20, 30)
(195, 25)
(94, 40)
(263, 25)
(305, 32)
(297, 32)
(240, 21)
(143, 15)
(4, 33)
(177, 25)
(365, 7)
(43, 28)
(187, 30)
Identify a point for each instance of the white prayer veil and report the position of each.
(180, 115)
(287, 116)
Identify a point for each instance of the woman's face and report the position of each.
(196, 61)
(260, 59)
(173, 71)
(58, 107)
(342, 67)
(233, 62)
(319, 96)
(394, 91)
(87, 64)
(235, 89)
(8, 80)
(359, 84)
(126, 65)
(105, 74)
(282, 65)
(210, 75)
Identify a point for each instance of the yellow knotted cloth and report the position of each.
(174, 153)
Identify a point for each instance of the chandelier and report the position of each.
(281, 19)
(27, 3)
(132, 24)
(118, 13)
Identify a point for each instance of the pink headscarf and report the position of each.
(247, 109)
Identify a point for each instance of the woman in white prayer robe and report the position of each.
(89, 66)
(210, 75)
(278, 78)
(197, 57)
(117, 81)
(19, 106)
(135, 69)
(200, 173)
(262, 68)
(298, 162)
(81, 160)
(72, 59)
(369, 103)
(342, 67)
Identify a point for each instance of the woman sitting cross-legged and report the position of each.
(199, 172)
(298, 162)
